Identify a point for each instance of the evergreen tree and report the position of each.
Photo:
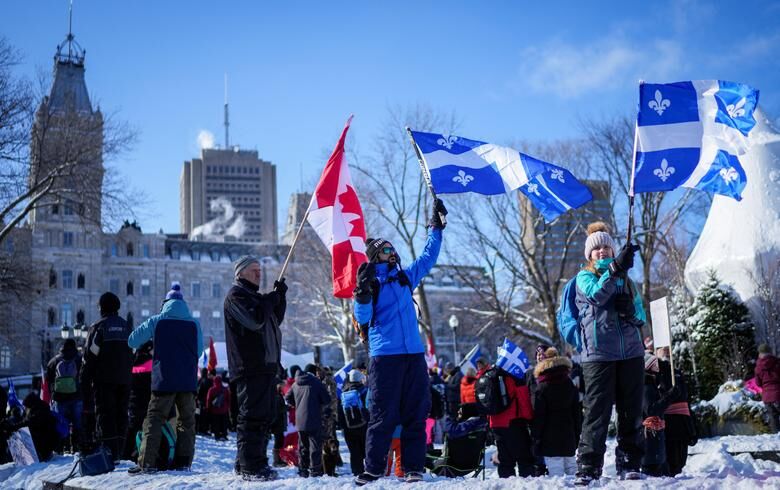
(684, 359)
(719, 325)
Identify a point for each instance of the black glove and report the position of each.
(673, 393)
(365, 277)
(438, 214)
(624, 305)
(280, 286)
(624, 260)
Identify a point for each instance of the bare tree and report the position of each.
(393, 189)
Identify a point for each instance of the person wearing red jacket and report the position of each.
(768, 378)
(511, 429)
(468, 386)
(218, 405)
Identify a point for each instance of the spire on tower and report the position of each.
(227, 123)
(70, 51)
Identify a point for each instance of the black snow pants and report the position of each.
(256, 413)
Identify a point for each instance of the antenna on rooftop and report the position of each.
(227, 123)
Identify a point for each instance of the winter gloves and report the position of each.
(280, 286)
(365, 277)
(624, 260)
(437, 215)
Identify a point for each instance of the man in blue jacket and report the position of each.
(177, 345)
(397, 374)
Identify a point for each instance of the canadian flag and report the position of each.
(336, 216)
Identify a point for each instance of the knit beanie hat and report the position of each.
(373, 245)
(109, 303)
(175, 292)
(598, 235)
(764, 349)
(244, 262)
(651, 362)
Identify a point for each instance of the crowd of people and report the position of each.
(139, 392)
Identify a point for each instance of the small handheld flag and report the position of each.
(512, 359)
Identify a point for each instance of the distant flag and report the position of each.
(470, 361)
(204, 359)
(341, 376)
(13, 401)
(212, 355)
(555, 191)
(430, 352)
(690, 134)
(512, 359)
(45, 392)
(337, 218)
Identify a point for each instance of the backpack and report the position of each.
(65, 375)
(167, 446)
(353, 408)
(491, 392)
(217, 401)
(567, 316)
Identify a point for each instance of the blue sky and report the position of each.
(510, 70)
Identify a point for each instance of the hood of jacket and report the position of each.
(767, 363)
(176, 308)
(68, 351)
(217, 382)
(550, 363)
(303, 378)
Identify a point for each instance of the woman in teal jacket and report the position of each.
(610, 318)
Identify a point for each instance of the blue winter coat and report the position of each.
(394, 330)
(178, 342)
(605, 337)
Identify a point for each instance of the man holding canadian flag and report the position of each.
(385, 309)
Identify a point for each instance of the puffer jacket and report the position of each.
(214, 391)
(557, 414)
(768, 378)
(468, 386)
(519, 405)
(394, 328)
(309, 397)
(178, 342)
(605, 337)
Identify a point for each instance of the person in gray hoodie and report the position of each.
(309, 396)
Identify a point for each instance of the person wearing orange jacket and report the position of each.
(511, 430)
(468, 386)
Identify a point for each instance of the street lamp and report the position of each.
(454, 326)
(77, 331)
(65, 331)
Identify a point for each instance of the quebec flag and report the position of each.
(341, 376)
(470, 361)
(512, 359)
(458, 164)
(690, 134)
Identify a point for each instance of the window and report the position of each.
(130, 289)
(196, 314)
(215, 255)
(216, 290)
(196, 290)
(80, 281)
(216, 314)
(66, 314)
(52, 279)
(130, 319)
(130, 249)
(80, 317)
(195, 254)
(67, 209)
(9, 245)
(52, 316)
(55, 208)
(67, 279)
(5, 357)
(145, 313)
(114, 250)
(67, 239)
(175, 253)
(146, 289)
(113, 286)
(145, 248)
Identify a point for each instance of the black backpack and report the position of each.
(492, 395)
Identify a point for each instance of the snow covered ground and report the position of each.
(709, 466)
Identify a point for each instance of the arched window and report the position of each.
(5, 357)
(52, 316)
(80, 317)
(130, 319)
(130, 249)
(130, 288)
(80, 281)
(52, 279)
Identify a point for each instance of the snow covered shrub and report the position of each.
(719, 324)
(679, 299)
(732, 404)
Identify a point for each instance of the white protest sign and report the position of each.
(21, 447)
(659, 313)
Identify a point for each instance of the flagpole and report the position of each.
(425, 172)
(633, 172)
(295, 241)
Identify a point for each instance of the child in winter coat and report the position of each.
(218, 405)
(610, 318)
(140, 394)
(768, 378)
(353, 418)
(557, 416)
(467, 386)
(680, 431)
(309, 397)
(510, 427)
(656, 400)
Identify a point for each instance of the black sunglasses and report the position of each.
(387, 250)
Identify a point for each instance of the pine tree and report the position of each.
(684, 359)
(719, 325)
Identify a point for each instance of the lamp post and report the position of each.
(65, 331)
(454, 326)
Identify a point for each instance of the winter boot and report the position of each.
(365, 478)
(413, 477)
(137, 470)
(585, 475)
(278, 463)
(630, 475)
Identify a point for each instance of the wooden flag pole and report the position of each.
(671, 340)
(295, 242)
(425, 172)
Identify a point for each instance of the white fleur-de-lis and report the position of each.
(729, 174)
(533, 188)
(557, 174)
(462, 178)
(447, 141)
(665, 171)
(660, 104)
(738, 109)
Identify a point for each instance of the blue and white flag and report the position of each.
(470, 361)
(555, 191)
(341, 376)
(460, 165)
(690, 134)
(13, 401)
(204, 360)
(512, 359)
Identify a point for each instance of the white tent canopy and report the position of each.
(288, 359)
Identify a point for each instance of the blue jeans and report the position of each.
(400, 393)
(71, 410)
